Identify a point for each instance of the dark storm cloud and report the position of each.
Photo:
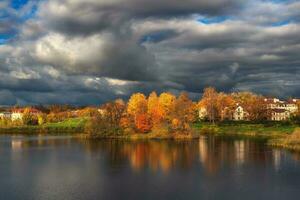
(92, 16)
(122, 56)
(91, 51)
(98, 55)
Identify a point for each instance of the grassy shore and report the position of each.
(245, 129)
(266, 131)
(291, 141)
(142, 136)
(278, 134)
(74, 125)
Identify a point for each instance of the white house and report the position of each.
(280, 114)
(239, 113)
(17, 114)
(202, 113)
(281, 110)
(5, 115)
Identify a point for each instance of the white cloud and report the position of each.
(25, 74)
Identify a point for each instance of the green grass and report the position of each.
(266, 130)
(72, 125)
(69, 123)
(291, 141)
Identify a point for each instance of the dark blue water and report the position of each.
(209, 168)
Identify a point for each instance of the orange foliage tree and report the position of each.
(143, 123)
(225, 106)
(184, 112)
(137, 110)
(154, 109)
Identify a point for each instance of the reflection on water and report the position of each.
(212, 152)
(65, 168)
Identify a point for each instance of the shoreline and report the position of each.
(274, 135)
(282, 145)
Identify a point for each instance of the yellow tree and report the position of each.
(137, 106)
(167, 103)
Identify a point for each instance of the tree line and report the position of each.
(165, 113)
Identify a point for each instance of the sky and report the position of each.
(91, 51)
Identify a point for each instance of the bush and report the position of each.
(29, 119)
(161, 130)
(296, 119)
(97, 127)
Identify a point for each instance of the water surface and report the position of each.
(58, 167)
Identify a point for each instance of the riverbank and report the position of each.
(69, 126)
(277, 134)
(268, 130)
(148, 136)
(291, 141)
(236, 129)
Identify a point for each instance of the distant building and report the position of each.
(281, 110)
(236, 114)
(202, 113)
(277, 110)
(240, 114)
(290, 105)
(5, 115)
(17, 114)
(102, 111)
(280, 114)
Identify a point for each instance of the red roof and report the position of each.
(277, 110)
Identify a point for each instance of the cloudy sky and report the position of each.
(92, 51)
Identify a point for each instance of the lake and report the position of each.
(61, 167)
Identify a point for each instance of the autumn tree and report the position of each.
(296, 116)
(225, 106)
(184, 112)
(298, 107)
(154, 109)
(143, 123)
(137, 109)
(96, 126)
(209, 100)
(29, 118)
(167, 104)
(113, 112)
(137, 104)
(88, 112)
(59, 108)
(42, 118)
